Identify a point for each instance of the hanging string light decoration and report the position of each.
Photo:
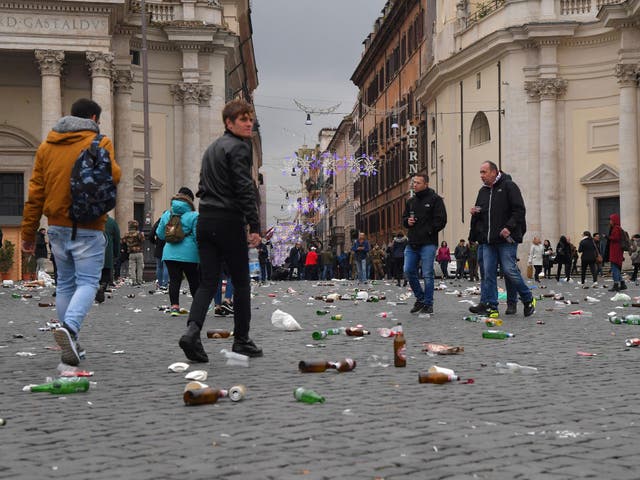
(285, 235)
(330, 164)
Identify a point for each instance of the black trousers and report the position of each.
(567, 270)
(537, 269)
(592, 267)
(220, 241)
(176, 269)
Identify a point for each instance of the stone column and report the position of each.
(50, 64)
(206, 136)
(123, 84)
(628, 149)
(549, 89)
(533, 203)
(188, 94)
(101, 68)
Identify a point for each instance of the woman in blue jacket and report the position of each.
(181, 257)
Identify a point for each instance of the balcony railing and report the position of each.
(482, 10)
(580, 7)
(158, 10)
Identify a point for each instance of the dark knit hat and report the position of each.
(187, 192)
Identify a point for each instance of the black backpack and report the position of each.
(93, 191)
(625, 241)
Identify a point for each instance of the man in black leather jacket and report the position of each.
(498, 224)
(424, 216)
(227, 204)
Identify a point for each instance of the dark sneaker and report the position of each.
(219, 312)
(623, 285)
(479, 309)
(69, 352)
(530, 308)
(82, 353)
(100, 295)
(227, 307)
(417, 307)
(427, 309)
(512, 309)
(193, 349)
(246, 347)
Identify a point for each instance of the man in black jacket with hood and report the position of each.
(227, 204)
(498, 225)
(424, 216)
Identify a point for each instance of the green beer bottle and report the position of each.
(616, 320)
(473, 318)
(306, 395)
(321, 312)
(336, 317)
(632, 319)
(63, 385)
(497, 334)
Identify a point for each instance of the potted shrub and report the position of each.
(7, 253)
(28, 266)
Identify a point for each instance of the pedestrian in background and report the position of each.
(574, 256)
(111, 251)
(461, 253)
(563, 258)
(41, 249)
(614, 254)
(600, 246)
(635, 257)
(78, 249)
(424, 216)
(311, 265)
(360, 249)
(589, 254)
(377, 260)
(181, 257)
(443, 258)
(227, 204)
(135, 244)
(295, 257)
(473, 261)
(547, 258)
(498, 223)
(264, 258)
(224, 307)
(328, 259)
(162, 274)
(536, 254)
(123, 259)
(397, 252)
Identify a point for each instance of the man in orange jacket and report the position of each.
(80, 259)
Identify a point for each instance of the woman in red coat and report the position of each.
(311, 265)
(613, 253)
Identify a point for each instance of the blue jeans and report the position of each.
(79, 263)
(263, 272)
(615, 272)
(512, 293)
(505, 254)
(361, 266)
(327, 272)
(425, 254)
(162, 274)
(228, 291)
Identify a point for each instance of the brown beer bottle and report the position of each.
(201, 396)
(345, 365)
(399, 348)
(314, 367)
(356, 332)
(217, 333)
(436, 377)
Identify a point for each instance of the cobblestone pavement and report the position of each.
(575, 419)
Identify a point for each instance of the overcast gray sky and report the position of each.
(307, 50)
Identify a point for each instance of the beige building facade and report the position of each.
(547, 89)
(200, 55)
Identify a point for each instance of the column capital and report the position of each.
(123, 81)
(546, 88)
(100, 64)
(627, 74)
(50, 61)
(205, 95)
(531, 87)
(189, 93)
